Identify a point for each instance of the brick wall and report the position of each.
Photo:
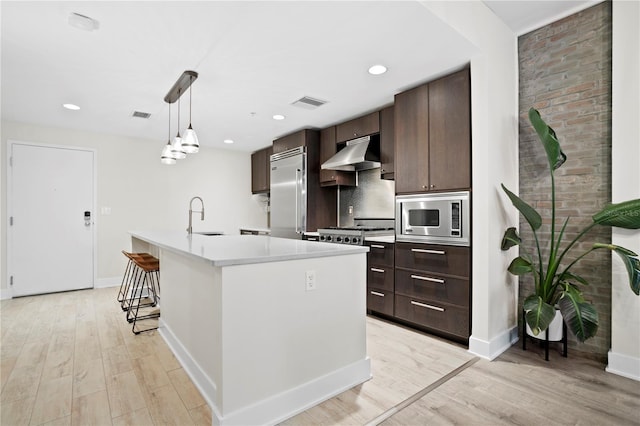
(565, 73)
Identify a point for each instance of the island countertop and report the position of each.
(227, 250)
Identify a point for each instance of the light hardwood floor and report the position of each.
(70, 358)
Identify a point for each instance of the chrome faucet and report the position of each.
(190, 228)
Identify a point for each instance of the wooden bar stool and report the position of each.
(132, 274)
(144, 306)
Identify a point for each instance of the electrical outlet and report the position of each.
(310, 280)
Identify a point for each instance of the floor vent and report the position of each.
(141, 114)
(308, 103)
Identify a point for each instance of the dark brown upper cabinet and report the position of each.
(260, 173)
(328, 147)
(386, 143)
(450, 132)
(362, 126)
(293, 140)
(411, 127)
(433, 136)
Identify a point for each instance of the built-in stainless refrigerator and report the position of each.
(289, 193)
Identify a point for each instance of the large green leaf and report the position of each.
(622, 215)
(549, 140)
(581, 317)
(529, 213)
(631, 262)
(571, 277)
(510, 239)
(538, 314)
(520, 266)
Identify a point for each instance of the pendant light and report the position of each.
(167, 156)
(176, 146)
(190, 142)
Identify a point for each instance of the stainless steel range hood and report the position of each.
(355, 156)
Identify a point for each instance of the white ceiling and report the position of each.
(254, 60)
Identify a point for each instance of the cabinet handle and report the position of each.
(376, 246)
(440, 252)
(432, 186)
(424, 305)
(312, 239)
(376, 270)
(424, 186)
(375, 293)
(433, 280)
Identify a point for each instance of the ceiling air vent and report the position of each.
(141, 114)
(308, 103)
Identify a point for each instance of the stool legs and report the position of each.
(139, 293)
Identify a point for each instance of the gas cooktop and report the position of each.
(356, 233)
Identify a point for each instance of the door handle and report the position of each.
(298, 227)
(424, 305)
(433, 280)
(440, 252)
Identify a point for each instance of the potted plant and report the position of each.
(555, 286)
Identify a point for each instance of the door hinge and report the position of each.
(11, 280)
(10, 220)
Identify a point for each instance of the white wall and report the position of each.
(494, 117)
(624, 356)
(144, 194)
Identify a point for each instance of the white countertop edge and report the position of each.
(211, 249)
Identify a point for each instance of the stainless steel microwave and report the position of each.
(439, 218)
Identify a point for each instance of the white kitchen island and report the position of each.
(238, 315)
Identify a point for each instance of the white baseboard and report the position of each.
(277, 408)
(493, 348)
(203, 382)
(107, 282)
(5, 293)
(623, 365)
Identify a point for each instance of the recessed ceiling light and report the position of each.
(278, 117)
(377, 69)
(71, 107)
(228, 141)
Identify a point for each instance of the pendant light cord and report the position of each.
(179, 111)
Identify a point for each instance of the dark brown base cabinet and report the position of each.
(433, 289)
(380, 278)
(429, 287)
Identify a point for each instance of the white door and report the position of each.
(51, 219)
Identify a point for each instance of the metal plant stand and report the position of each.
(546, 338)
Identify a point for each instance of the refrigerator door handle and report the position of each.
(298, 179)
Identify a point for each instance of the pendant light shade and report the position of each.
(190, 142)
(167, 156)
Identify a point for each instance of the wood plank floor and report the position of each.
(71, 359)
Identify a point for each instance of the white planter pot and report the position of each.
(554, 330)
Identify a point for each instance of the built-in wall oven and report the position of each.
(438, 218)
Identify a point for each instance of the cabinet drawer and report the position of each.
(449, 260)
(433, 287)
(380, 301)
(443, 317)
(380, 277)
(380, 253)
